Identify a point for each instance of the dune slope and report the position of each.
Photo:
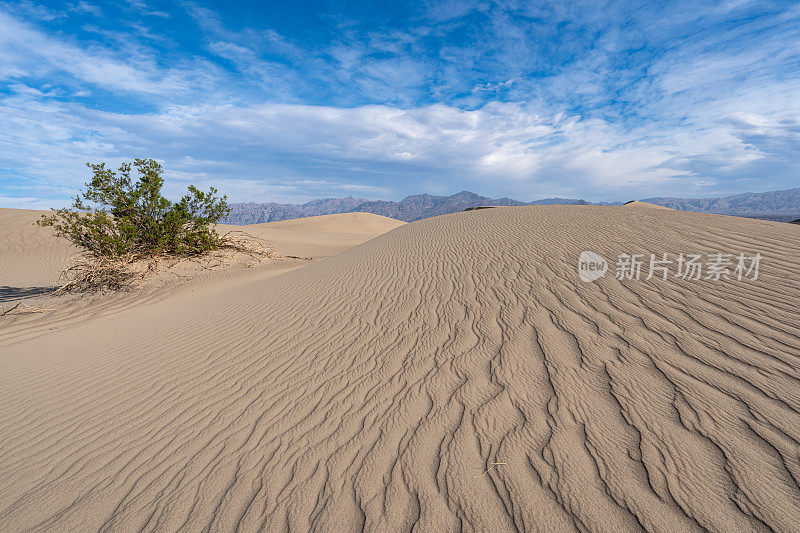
(320, 236)
(32, 260)
(339, 223)
(451, 374)
(30, 256)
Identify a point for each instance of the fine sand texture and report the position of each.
(320, 236)
(451, 374)
(637, 203)
(343, 223)
(30, 257)
(32, 260)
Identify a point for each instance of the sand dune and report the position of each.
(30, 257)
(637, 203)
(341, 223)
(451, 374)
(320, 236)
(313, 240)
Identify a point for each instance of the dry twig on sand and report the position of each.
(493, 465)
(25, 309)
(238, 241)
(5, 311)
(92, 273)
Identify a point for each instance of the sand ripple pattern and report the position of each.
(451, 375)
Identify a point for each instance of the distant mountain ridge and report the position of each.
(786, 202)
(775, 205)
(253, 213)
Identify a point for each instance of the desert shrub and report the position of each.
(122, 218)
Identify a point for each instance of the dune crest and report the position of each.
(359, 223)
(637, 203)
(453, 373)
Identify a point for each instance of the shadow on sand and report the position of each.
(10, 294)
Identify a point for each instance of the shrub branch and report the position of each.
(124, 227)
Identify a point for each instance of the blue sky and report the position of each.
(291, 101)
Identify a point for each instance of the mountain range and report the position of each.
(774, 205)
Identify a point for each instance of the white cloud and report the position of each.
(34, 11)
(711, 115)
(28, 52)
(286, 152)
(26, 203)
(86, 7)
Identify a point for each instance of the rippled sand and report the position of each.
(451, 374)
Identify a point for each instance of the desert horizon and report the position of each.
(781, 206)
(427, 266)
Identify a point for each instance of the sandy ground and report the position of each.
(363, 223)
(30, 257)
(31, 261)
(450, 374)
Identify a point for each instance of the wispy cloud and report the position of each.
(604, 101)
(86, 7)
(31, 54)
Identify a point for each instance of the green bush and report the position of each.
(118, 217)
